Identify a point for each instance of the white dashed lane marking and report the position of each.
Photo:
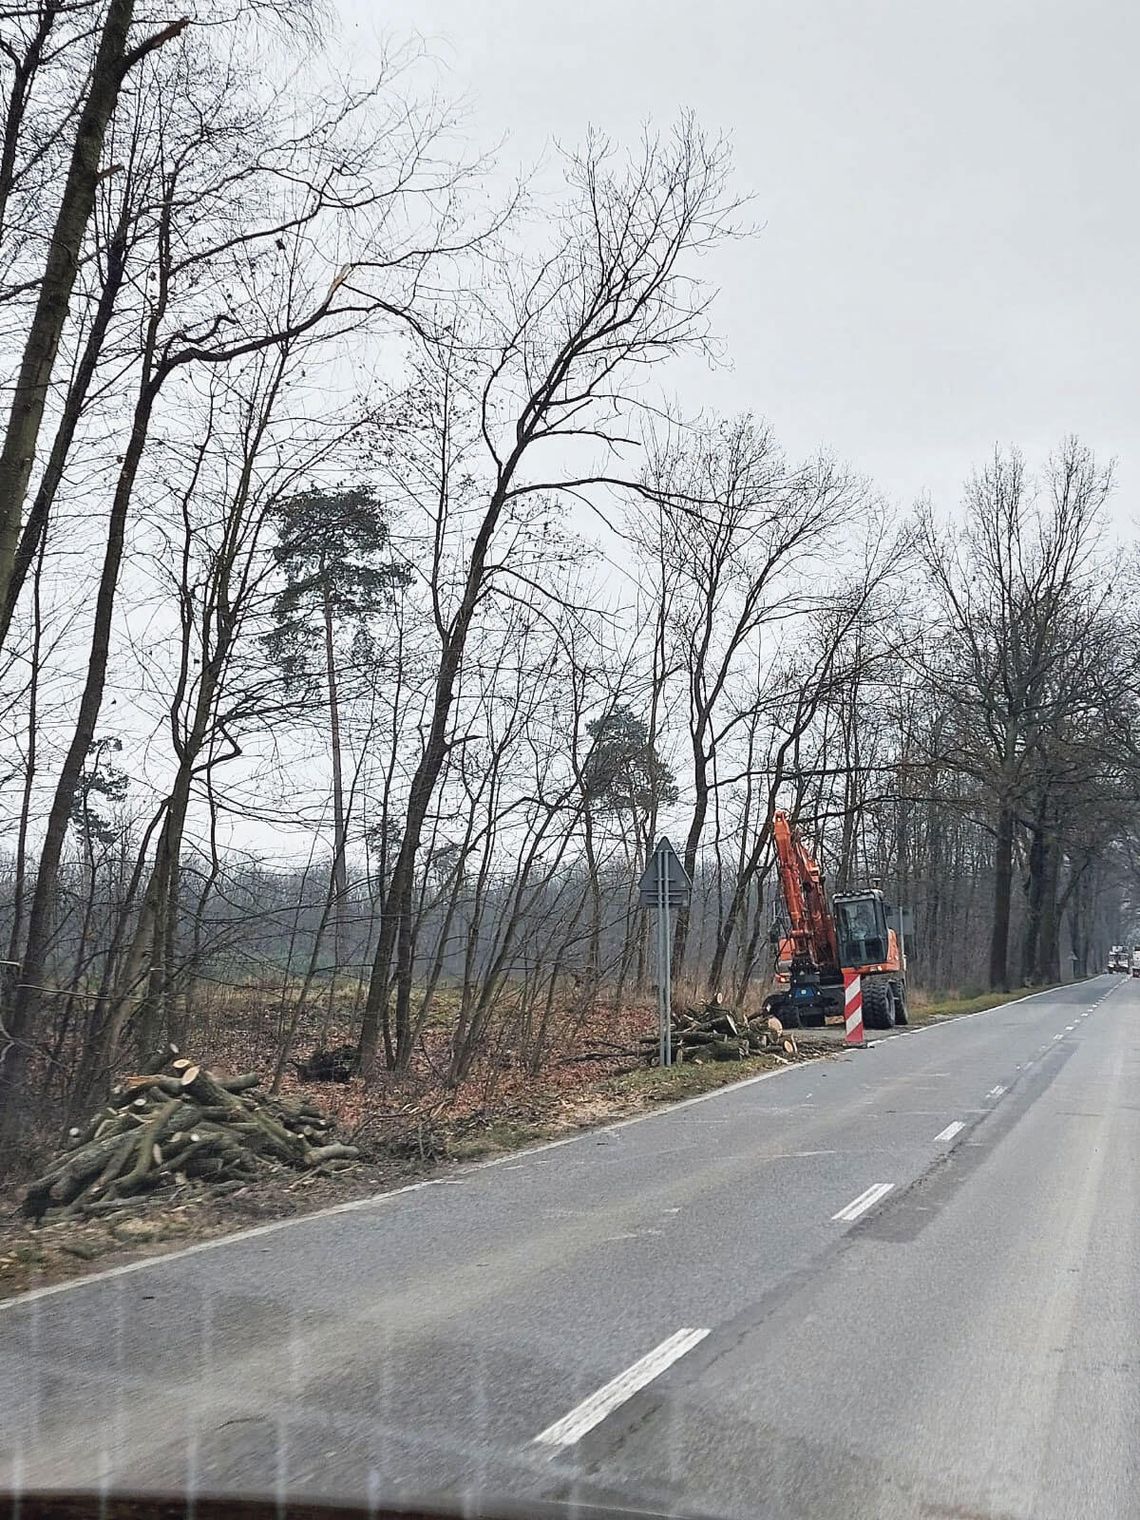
(592, 1411)
(864, 1201)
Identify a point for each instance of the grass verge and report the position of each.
(654, 1084)
(938, 1008)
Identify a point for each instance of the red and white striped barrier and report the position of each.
(853, 1007)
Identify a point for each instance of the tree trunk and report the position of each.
(25, 1004)
(20, 864)
(339, 869)
(23, 74)
(692, 845)
(18, 453)
(595, 932)
(736, 909)
(1047, 967)
(399, 901)
(1003, 886)
(1079, 927)
(1035, 886)
(405, 963)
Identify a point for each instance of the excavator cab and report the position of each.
(861, 921)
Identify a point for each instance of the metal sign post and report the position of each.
(664, 966)
(664, 884)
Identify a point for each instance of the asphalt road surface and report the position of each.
(905, 1282)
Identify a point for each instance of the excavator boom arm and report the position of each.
(812, 927)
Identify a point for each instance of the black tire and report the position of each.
(780, 1006)
(900, 1003)
(878, 1005)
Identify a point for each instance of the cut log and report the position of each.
(206, 1090)
(66, 1178)
(144, 1155)
(84, 1134)
(243, 1083)
(144, 1081)
(115, 1164)
(161, 1058)
(200, 1146)
(97, 1206)
(319, 1153)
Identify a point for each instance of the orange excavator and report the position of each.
(820, 941)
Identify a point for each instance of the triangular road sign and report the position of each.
(677, 884)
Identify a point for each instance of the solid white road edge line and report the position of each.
(951, 1130)
(864, 1201)
(592, 1411)
(960, 1018)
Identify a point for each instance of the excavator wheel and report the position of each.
(900, 1003)
(780, 1007)
(878, 1005)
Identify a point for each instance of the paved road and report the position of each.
(901, 1283)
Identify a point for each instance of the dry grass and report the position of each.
(926, 1007)
(652, 1084)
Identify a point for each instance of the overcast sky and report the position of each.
(950, 244)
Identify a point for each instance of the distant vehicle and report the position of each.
(1118, 958)
(1136, 960)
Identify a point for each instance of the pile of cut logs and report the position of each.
(714, 1033)
(176, 1124)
